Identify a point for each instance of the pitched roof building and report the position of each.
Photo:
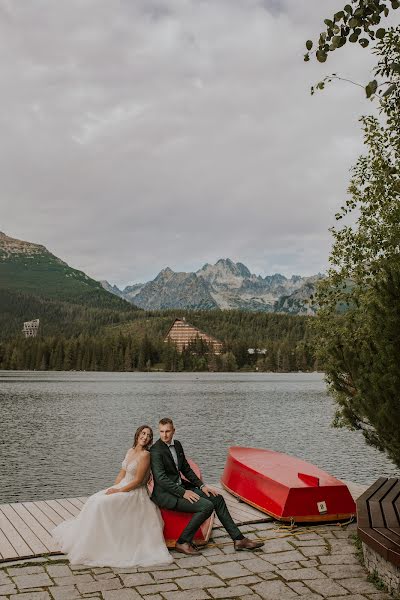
(182, 334)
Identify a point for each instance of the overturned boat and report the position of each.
(285, 487)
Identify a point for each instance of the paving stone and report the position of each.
(13, 563)
(134, 579)
(302, 543)
(358, 585)
(229, 549)
(327, 587)
(343, 571)
(4, 578)
(118, 571)
(210, 551)
(289, 565)
(154, 597)
(284, 557)
(32, 596)
(276, 546)
(309, 563)
(222, 558)
(380, 596)
(79, 567)
(339, 559)
(351, 597)
(67, 592)
(342, 547)
(250, 580)
(302, 574)
(33, 570)
(30, 581)
(312, 596)
(104, 576)
(268, 576)
(166, 567)
(126, 594)
(187, 595)
(99, 586)
(230, 592)
(8, 588)
(274, 590)
(154, 589)
(99, 570)
(201, 570)
(199, 581)
(59, 571)
(298, 587)
(229, 570)
(73, 579)
(307, 537)
(314, 550)
(192, 561)
(258, 565)
(159, 575)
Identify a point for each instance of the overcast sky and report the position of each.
(139, 134)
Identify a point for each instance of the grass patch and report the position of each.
(359, 551)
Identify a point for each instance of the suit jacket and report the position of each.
(167, 488)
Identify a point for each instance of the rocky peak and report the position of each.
(11, 246)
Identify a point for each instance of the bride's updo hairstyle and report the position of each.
(138, 432)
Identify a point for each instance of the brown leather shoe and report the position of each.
(187, 548)
(246, 544)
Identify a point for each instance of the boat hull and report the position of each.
(286, 487)
(175, 521)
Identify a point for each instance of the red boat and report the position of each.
(285, 487)
(175, 522)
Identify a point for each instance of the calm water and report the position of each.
(65, 434)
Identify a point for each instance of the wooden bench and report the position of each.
(378, 518)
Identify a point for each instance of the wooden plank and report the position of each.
(362, 500)
(379, 543)
(375, 504)
(77, 503)
(389, 511)
(59, 509)
(49, 512)
(6, 549)
(34, 525)
(14, 538)
(69, 506)
(30, 538)
(40, 516)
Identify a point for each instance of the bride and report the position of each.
(119, 526)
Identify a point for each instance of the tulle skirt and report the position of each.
(116, 530)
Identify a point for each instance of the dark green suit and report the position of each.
(168, 491)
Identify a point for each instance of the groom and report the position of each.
(168, 461)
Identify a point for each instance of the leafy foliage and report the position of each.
(359, 22)
(360, 343)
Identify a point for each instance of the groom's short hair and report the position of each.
(166, 421)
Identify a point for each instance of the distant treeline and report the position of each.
(280, 342)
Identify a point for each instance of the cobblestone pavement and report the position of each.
(309, 563)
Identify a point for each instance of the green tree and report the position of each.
(358, 322)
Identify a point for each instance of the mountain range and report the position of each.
(224, 285)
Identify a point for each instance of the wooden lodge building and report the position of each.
(182, 334)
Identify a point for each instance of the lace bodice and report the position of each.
(130, 466)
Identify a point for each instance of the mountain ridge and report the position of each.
(224, 285)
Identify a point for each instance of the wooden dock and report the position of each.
(25, 528)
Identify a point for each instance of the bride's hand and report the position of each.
(111, 491)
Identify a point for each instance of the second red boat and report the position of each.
(285, 487)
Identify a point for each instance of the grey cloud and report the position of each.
(173, 132)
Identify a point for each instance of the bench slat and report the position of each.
(389, 511)
(363, 514)
(378, 542)
(375, 506)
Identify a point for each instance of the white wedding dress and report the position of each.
(116, 530)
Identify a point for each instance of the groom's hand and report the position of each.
(209, 491)
(191, 496)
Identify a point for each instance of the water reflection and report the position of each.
(65, 434)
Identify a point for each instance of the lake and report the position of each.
(65, 433)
